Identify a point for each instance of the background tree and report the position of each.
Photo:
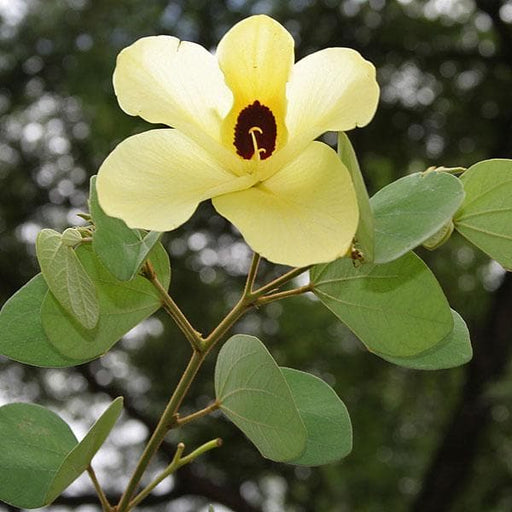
(423, 441)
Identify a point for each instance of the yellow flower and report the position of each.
(245, 122)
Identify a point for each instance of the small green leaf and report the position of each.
(79, 458)
(325, 417)
(254, 395)
(485, 217)
(122, 250)
(23, 338)
(67, 278)
(123, 304)
(365, 229)
(440, 237)
(71, 237)
(397, 308)
(453, 350)
(412, 209)
(34, 442)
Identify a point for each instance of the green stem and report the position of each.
(167, 471)
(105, 505)
(167, 421)
(226, 323)
(210, 445)
(277, 283)
(266, 299)
(198, 414)
(177, 462)
(251, 275)
(193, 336)
(201, 346)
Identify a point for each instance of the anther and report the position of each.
(258, 151)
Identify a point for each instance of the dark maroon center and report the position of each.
(255, 126)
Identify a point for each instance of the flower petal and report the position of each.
(331, 90)
(256, 57)
(306, 213)
(165, 80)
(155, 180)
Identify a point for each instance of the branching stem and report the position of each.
(201, 347)
(177, 462)
(280, 281)
(193, 336)
(251, 275)
(167, 421)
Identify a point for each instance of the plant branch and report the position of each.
(267, 299)
(106, 506)
(193, 336)
(186, 483)
(251, 276)
(198, 414)
(177, 462)
(167, 421)
(280, 281)
(201, 347)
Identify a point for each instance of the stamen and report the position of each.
(258, 151)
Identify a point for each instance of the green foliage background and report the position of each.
(422, 441)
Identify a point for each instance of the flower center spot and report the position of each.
(255, 132)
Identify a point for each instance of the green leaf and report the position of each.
(485, 217)
(440, 237)
(23, 338)
(67, 278)
(34, 442)
(122, 250)
(453, 350)
(71, 237)
(79, 458)
(329, 431)
(123, 304)
(365, 229)
(254, 395)
(397, 308)
(412, 209)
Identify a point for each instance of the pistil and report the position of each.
(257, 151)
(255, 132)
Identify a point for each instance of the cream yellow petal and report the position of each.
(306, 213)
(177, 83)
(256, 57)
(155, 180)
(331, 90)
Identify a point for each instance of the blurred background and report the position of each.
(426, 442)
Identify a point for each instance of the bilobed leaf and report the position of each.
(34, 442)
(440, 237)
(365, 229)
(23, 338)
(123, 304)
(81, 455)
(485, 217)
(412, 209)
(453, 350)
(329, 431)
(122, 250)
(397, 308)
(67, 278)
(71, 237)
(39, 454)
(255, 396)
